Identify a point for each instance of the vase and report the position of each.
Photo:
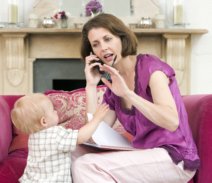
(93, 7)
(94, 14)
(63, 23)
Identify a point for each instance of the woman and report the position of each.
(143, 94)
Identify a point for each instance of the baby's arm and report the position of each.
(88, 129)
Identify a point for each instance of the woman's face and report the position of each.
(105, 45)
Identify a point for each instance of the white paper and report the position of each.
(107, 136)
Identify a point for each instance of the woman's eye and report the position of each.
(94, 45)
(108, 39)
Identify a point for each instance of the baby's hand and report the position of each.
(101, 111)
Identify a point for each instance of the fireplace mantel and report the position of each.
(19, 48)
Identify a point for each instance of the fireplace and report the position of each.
(58, 74)
(68, 84)
(23, 50)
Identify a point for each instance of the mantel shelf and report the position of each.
(78, 31)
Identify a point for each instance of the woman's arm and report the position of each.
(162, 111)
(91, 98)
(91, 105)
(92, 79)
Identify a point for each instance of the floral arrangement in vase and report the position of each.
(93, 7)
(61, 19)
(60, 15)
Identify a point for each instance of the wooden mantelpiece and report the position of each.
(19, 48)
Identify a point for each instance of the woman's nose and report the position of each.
(104, 46)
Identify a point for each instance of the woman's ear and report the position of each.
(43, 122)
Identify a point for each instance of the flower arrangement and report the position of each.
(61, 18)
(93, 7)
(60, 15)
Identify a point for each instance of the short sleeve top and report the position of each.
(146, 134)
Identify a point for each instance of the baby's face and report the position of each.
(51, 116)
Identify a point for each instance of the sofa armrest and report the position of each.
(5, 129)
(199, 108)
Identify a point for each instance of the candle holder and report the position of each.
(179, 12)
(175, 13)
(15, 13)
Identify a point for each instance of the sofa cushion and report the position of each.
(18, 142)
(70, 105)
(13, 166)
(5, 129)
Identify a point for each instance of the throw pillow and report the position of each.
(71, 105)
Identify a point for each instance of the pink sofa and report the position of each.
(71, 109)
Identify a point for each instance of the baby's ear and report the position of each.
(43, 122)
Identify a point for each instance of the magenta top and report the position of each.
(146, 134)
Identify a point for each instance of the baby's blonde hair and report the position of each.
(28, 111)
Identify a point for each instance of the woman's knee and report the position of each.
(82, 162)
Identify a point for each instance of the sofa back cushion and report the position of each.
(5, 129)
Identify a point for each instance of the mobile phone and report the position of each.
(103, 73)
(97, 67)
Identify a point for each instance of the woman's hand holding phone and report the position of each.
(92, 63)
(96, 68)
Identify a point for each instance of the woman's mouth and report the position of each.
(109, 57)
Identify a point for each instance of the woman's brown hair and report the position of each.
(113, 25)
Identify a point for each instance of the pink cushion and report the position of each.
(5, 129)
(71, 107)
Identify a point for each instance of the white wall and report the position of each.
(199, 13)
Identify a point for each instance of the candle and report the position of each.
(178, 12)
(13, 13)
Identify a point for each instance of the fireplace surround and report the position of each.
(21, 48)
